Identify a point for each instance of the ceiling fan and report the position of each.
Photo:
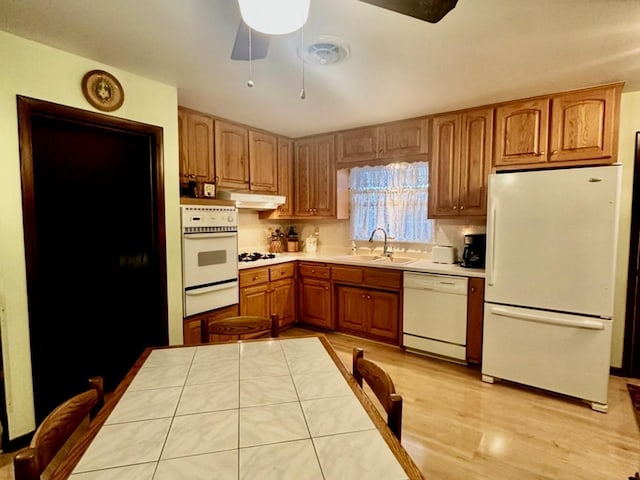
(428, 10)
(431, 11)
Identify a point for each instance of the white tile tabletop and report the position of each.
(275, 409)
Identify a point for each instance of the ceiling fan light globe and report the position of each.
(274, 17)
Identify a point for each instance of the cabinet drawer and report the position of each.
(378, 277)
(254, 276)
(314, 270)
(347, 274)
(285, 270)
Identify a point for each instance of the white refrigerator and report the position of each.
(550, 268)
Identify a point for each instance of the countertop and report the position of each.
(419, 265)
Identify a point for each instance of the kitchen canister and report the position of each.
(311, 245)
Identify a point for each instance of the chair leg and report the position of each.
(275, 325)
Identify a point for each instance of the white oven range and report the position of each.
(209, 257)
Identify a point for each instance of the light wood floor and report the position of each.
(457, 427)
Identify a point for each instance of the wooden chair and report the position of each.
(56, 429)
(382, 385)
(238, 326)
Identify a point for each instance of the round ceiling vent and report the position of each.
(325, 50)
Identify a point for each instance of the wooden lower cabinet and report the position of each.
(191, 325)
(475, 319)
(314, 295)
(267, 290)
(368, 302)
(369, 312)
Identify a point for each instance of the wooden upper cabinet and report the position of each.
(245, 159)
(521, 132)
(263, 162)
(232, 156)
(566, 129)
(476, 146)
(357, 145)
(460, 163)
(285, 181)
(196, 146)
(584, 126)
(397, 140)
(315, 177)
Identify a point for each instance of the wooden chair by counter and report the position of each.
(56, 429)
(235, 327)
(382, 385)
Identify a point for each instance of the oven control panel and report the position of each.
(206, 219)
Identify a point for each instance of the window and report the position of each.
(394, 197)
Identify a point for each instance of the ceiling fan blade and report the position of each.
(259, 44)
(430, 11)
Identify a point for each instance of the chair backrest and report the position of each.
(382, 385)
(239, 325)
(56, 429)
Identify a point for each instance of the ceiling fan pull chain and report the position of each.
(250, 82)
(303, 95)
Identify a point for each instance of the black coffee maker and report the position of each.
(474, 250)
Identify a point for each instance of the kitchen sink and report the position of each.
(376, 259)
(394, 260)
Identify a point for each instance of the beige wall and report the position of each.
(41, 72)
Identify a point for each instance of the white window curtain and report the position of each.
(394, 197)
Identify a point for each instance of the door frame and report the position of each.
(631, 346)
(28, 108)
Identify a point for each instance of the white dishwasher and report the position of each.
(435, 315)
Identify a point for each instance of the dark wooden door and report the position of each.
(94, 232)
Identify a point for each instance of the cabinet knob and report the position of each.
(461, 207)
(326, 288)
(554, 152)
(455, 207)
(541, 153)
(255, 278)
(368, 297)
(473, 289)
(313, 271)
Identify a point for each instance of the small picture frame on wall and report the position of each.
(209, 190)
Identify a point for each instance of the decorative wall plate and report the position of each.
(102, 90)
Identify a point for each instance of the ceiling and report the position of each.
(483, 51)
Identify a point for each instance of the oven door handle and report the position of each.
(212, 288)
(196, 236)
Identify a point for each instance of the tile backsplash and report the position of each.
(334, 237)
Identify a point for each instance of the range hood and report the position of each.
(252, 201)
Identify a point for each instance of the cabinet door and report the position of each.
(283, 300)
(403, 139)
(357, 145)
(324, 181)
(183, 144)
(582, 125)
(476, 144)
(191, 332)
(315, 302)
(352, 309)
(303, 179)
(263, 162)
(196, 146)
(255, 300)
(232, 156)
(285, 181)
(383, 314)
(522, 132)
(475, 316)
(444, 168)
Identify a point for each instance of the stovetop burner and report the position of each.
(252, 257)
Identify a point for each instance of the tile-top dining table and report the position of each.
(284, 408)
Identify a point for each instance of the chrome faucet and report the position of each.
(385, 249)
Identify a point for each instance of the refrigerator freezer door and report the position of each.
(551, 239)
(562, 353)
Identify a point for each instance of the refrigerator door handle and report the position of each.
(491, 235)
(549, 319)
